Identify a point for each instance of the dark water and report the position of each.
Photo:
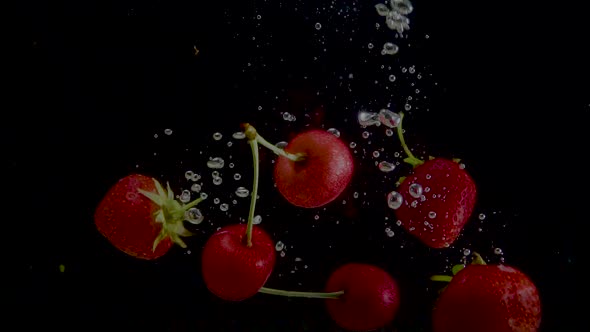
(107, 77)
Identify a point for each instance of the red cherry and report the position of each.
(321, 176)
(232, 270)
(371, 297)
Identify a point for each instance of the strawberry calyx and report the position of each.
(171, 214)
(477, 260)
(411, 159)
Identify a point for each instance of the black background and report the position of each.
(103, 77)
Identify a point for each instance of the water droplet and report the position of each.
(428, 176)
(196, 187)
(427, 189)
(194, 216)
(352, 145)
(392, 78)
(188, 174)
(389, 232)
(370, 45)
(368, 118)
(462, 166)
(390, 48)
(426, 36)
(431, 214)
(217, 136)
(279, 246)
(283, 254)
(385, 166)
(185, 196)
(366, 134)
(257, 220)
(415, 190)
(224, 207)
(168, 132)
(389, 132)
(389, 118)
(407, 107)
(239, 135)
(288, 116)
(215, 163)
(242, 192)
(281, 144)
(375, 154)
(237, 176)
(316, 217)
(217, 181)
(216, 200)
(334, 132)
(414, 204)
(466, 252)
(382, 9)
(318, 26)
(498, 251)
(394, 200)
(204, 195)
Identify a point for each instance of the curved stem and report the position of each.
(411, 159)
(254, 194)
(193, 203)
(252, 134)
(312, 295)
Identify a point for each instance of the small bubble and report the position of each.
(195, 177)
(431, 214)
(229, 144)
(389, 232)
(216, 163)
(217, 136)
(389, 132)
(234, 202)
(404, 69)
(258, 17)
(368, 118)
(390, 48)
(419, 77)
(414, 204)
(382, 9)
(399, 222)
(215, 174)
(385, 166)
(316, 217)
(403, 7)
(389, 118)
(498, 251)
(239, 135)
(412, 70)
(288, 117)
(466, 252)
(415, 190)
(237, 176)
(283, 254)
(242, 192)
(396, 154)
(428, 176)
(231, 165)
(257, 220)
(366, 134)
(392, 78)
(407, 107)
(427, 189)
(279, 246)
(376, 154)
(355, 195)
(204, 195)
(334, 132)
(370, 45)
(185, 197)
(462, 166)
(194, 216)
(318, 26)
(394, 200)
(426, 36)
(188, 174)
(168, 132)
(216, 200)
(352, 145)
(281, 144)
(482, 216)
(196, 187)
(224, 207)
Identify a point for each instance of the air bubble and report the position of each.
(196, 187)
(237, 176)
(215, 174)
(217, 181)
(316, 217)
(431, 214)
(288, 116)
(394, 200)
(407, 107)
(415, 190)
(402, 6)
(239, 135)
(390, 48)
(216, 200)
(188, 174)
(376, 154)
(385, 166)
(389, 118)
(392, 78)
(355, 195)
(334, 132)
(389, 232)
(185, 196)
(279, 246)
(217, 136)
(168, 132)
(283, 254)
(482, 216)
(366, 134)
(318, 26)
(382, 9)
(466, 252)
(281, 144)
(498, 251)
(216, 163)
(412, 70)
(389, 132)
(224, 207)
(194, 216)
(204, 195)
(428, 176)
(399, 222)
(352, 145)
(370, 45)
(242, 192)
(257, 220)
(195, 177)
(368, 118)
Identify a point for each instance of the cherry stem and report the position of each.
(411, 159)
(311, 295)
(254, 194)
(252, 134)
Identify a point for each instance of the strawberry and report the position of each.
(488, 298)
(435, 201)
(142, 219)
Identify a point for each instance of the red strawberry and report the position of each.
(370, 299)
(141, 218)
(232, 270)
(488, 298)
(321, 176)
(435, 201)
(437, 215)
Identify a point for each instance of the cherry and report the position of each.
(371, 297)
(313, 170)
(232, 270)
